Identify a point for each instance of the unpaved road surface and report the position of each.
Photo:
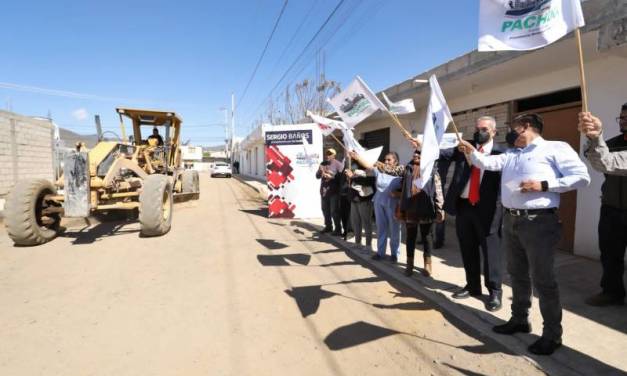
(226, 292)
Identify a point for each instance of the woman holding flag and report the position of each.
(419, 208)
(388, 183)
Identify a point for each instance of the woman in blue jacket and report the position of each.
(388, 186)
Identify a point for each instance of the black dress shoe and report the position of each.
(494, 301)
(325, 230)
(376, 257)
(337, 233)
(545, 346)
(394, 259)
(512, 327)
(465, 293)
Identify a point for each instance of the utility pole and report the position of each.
(226, 130)
(232, 124)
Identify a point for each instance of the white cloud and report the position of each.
(80, 114)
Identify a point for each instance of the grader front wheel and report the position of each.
(30, 218)
(155, 206)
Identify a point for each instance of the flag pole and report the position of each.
(339, 142)
(582, 73)
(398, 123)
(459, 138)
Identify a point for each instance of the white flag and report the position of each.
(526, 24)
(406, 106)
(326, 125)
(350, 142)
(371, 156)
(438, 118)
(356, 103)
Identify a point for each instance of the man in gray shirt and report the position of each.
(610, 158)
(597, 151)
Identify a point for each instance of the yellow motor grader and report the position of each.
(138, 173)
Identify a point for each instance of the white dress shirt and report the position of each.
(552, 161)
(487, 149)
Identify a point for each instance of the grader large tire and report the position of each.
(190, 182)
(24, 220)
(155, 206)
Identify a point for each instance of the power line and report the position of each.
(295, 34)
(117, 126)
(263, 53)
(299, 56)
(308, 44)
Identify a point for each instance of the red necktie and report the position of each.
(475, 180)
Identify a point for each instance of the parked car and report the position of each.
(221, 169)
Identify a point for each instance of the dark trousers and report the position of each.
(474, 243)
(345, 212)
(612, 242)
(440, 230)
(530, 243)
(426, 235)
(331, 212)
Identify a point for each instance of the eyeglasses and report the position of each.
(621, 119)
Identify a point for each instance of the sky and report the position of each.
(75, 59)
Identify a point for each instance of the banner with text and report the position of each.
(293, 153)
(526, 24)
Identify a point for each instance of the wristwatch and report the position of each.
(545, 185)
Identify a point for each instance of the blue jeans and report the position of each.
(387, 226)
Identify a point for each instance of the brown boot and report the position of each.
(409, 269)
(428, 270)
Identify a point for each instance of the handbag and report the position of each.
(399, 214)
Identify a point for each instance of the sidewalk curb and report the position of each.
(262, 194)
(482, 322)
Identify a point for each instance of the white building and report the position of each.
(544, 81)
(191, 155)
(251, 155)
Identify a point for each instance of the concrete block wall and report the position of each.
(466, 120)
(26, 149)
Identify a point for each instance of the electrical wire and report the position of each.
(324, 24)
(263, 53)
(294, 35)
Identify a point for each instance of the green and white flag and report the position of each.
(406, 106)
(437, 119)
(326, 125)
(526, 24)
(356, 103)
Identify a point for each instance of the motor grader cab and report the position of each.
(132, 174)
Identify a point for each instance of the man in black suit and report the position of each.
(473, 198)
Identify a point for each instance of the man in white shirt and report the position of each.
(533, 174)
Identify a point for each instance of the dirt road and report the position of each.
(226, 292)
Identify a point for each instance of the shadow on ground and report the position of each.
(361, 332)
(105, 227)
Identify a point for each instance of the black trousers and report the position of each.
(345, 213)
(612, 242)
(474, 243)
(440, 231)
(331, 211)
(426, 235)
(529, 243)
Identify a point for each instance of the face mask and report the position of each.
(481, 137)
(511, 137)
